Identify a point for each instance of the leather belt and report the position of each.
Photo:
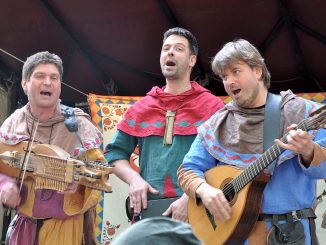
(296, 214)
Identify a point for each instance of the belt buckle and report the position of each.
(295, 215)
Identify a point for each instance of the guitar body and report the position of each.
(244, 190)
(245, 209)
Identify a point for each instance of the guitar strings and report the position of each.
(230, 188)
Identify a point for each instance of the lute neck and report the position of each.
(262, 162)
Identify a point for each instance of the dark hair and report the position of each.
(193, 44)
(240, 50)
(41, 58)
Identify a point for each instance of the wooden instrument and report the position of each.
(243, 189)
(52, 168)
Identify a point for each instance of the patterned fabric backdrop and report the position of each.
(106, 112)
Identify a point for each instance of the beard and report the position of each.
(170, 74)
(247, 100)
(178, 71)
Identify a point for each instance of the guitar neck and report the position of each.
(262, 162)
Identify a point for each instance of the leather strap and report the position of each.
(297, 214)
(312, 229)
(272, 123)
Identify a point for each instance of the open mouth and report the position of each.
(46, 93)
(170, 63)
(236, 91)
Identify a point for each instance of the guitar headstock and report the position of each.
(317, 119)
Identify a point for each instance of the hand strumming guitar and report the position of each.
(215, 201)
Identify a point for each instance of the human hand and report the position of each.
(215, 201)
(178, 209)
(9, 195)
(138, 189)
(300, 142)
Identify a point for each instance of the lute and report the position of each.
(243, 190)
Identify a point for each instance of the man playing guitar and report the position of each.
(232, 140)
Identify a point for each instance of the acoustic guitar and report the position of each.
(243, 188)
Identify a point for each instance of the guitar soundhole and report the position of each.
(229, 192)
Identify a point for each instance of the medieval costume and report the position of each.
(164, 126)
(234, 136)
(56, 217)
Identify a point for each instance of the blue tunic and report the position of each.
(292, 186)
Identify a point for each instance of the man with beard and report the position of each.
(234, 137)
(164, 125)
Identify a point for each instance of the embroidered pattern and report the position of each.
(109, 232)
(220, 152)
(11, 139)
(159, 124)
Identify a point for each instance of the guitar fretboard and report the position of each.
(262, 162)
